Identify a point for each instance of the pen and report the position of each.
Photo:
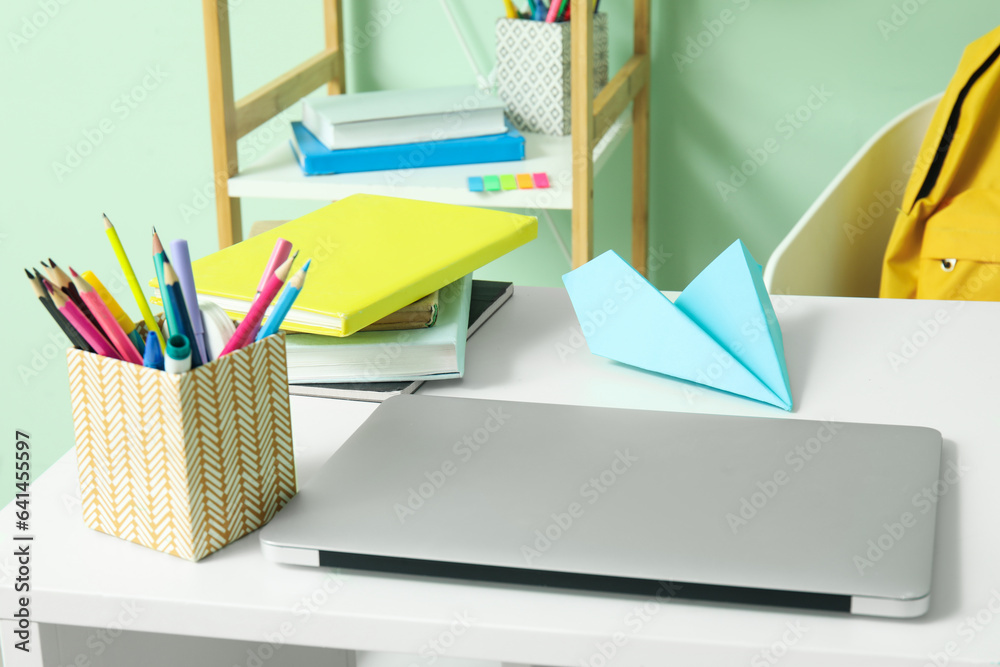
(182, 265)
(178, 358)
(154, 356)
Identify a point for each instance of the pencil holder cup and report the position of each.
(184, 464)
(533, 71)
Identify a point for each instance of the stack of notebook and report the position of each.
(381, 266)
(403, 129)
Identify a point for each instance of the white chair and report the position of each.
(836, 248)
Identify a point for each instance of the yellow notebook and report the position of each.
(370, 256)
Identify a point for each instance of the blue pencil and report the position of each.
(284, 303)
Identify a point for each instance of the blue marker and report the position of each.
(284, 303)
(153, 356)
(541, 10)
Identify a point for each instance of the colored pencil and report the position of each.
(184, 327)
(279, 253)
(59, 278)
(284, 303)
(80, 322)
(126, 350)
(121, 317)
(74, 336)
(243, 332)
(160, 256)
(512, 12)
(182, 266)
(133, 283)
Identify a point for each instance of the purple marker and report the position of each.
(181, 260)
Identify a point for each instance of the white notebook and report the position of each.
(436, 352)
(389, 117)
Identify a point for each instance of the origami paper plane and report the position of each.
(721, 331)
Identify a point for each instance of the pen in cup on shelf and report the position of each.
(284, 303)
(133, 282)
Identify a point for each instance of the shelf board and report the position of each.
(276, 175)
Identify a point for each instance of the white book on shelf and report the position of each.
(389, 117)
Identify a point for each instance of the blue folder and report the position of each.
(315, 158)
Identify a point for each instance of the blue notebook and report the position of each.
(316, 159)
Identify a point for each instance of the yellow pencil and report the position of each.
(140, 299)
(511, 9)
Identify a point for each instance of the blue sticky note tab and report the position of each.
(625, 318)
(728, 299)
(475, 183)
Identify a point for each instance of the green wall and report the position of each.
(124, 83)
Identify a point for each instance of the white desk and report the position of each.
(839, 354)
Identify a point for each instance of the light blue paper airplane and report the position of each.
(721, 332)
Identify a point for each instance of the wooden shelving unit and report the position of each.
(599, 125)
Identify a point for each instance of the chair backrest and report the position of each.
(836, 248)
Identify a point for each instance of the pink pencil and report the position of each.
(248, 327)
(113, 330)
(278, 255)
(83, 325)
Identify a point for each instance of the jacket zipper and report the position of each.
(949, 131)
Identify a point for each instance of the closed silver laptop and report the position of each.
(795, 513)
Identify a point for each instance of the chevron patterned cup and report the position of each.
(533, 71)
(184, 464)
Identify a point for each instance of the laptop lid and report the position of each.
(796, 513)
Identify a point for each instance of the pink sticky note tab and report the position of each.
(541, 180)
